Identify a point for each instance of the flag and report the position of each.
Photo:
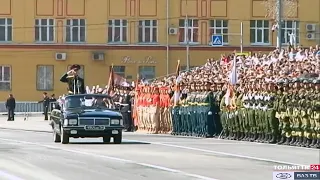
(229, 95)
(177, 85)
(111, 80)
(233, 74)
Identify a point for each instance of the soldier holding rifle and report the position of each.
(75, 83)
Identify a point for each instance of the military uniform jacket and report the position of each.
(76, 82)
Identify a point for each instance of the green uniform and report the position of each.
(270, 117)
(224, 117)
(315, 118)
(241, 116)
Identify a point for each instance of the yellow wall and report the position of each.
(23, 55)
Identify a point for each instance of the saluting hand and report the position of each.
(71, 72)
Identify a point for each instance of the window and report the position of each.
(188, 30)
(44, 30)
(5, 29)
(120, 70)
(148, 31)
(117, 30)
(259, 32)
(45, 77)
(76, 30)
(80, 72)
(5, 78)
(220, 27)
(147, 72)
(288, 27)
(184, 68)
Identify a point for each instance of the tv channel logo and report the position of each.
(283, 175)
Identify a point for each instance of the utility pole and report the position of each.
(279, 21)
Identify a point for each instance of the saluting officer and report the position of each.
(75, 83)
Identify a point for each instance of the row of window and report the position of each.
(45, 75)
(75, 30)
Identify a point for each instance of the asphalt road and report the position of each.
(34, 156)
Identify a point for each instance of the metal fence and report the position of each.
(24, 107)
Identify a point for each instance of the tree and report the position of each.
(289, 8)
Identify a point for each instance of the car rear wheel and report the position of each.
(64, 137)
(106, 139)
(117, 139)
(56, 136)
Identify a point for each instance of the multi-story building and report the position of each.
(39, 39)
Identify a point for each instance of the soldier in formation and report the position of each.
(284, 112)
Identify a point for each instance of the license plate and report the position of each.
(99, 128)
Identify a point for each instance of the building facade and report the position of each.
(39, 39)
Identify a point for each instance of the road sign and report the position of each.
(216, 40)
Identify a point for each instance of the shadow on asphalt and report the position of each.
(124, 143)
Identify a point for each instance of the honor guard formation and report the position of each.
(267, 98)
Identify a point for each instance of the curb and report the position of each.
(28, 130)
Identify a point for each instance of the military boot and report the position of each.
(245, 138)
(251, 139)
(273, 139)
(304, 142)
(263, 138)
(267, 138)
(317, 145)
(299, 141)
(282, 140)
(314, 142)
(287, 141)
(308, 142)
(235, 136)
(293, 140)
(242, 136)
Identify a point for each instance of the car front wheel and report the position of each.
(106, 139)
(64, 137)
(117, 139)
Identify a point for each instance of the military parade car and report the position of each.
(86, 115)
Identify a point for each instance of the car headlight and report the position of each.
(73, 121)
(115, 121)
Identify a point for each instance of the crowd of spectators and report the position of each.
(279, 64)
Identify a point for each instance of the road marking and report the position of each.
(175, 137)
(111, 158)
(219, 153)
(9, 176)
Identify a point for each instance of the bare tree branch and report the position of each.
(289, 8)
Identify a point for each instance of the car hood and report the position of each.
(92, 113)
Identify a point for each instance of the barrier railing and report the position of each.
(25, 107)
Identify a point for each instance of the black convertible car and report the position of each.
(86, 115)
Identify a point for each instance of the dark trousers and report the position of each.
(10, 114)
(127, 120)
(45, 112)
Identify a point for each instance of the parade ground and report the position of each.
(27, 152)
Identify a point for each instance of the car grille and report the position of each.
(94, 121)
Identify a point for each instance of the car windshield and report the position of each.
(89, 101)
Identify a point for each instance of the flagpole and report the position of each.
(279, 21)
(187, 36)
(241, 37)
